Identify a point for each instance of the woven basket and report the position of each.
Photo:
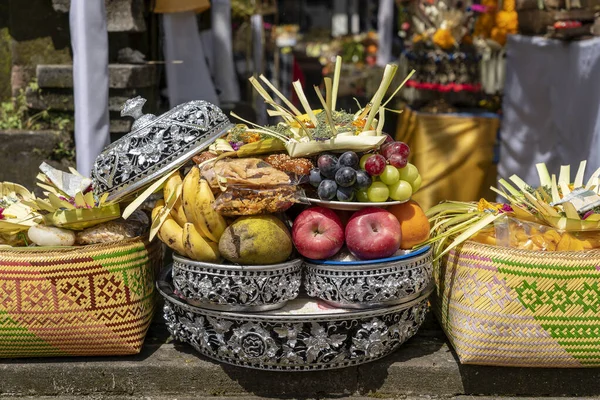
(508, 307)
(83, 301)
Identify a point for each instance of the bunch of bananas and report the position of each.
(186, 220)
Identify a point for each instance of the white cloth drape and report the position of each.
(385, 27)
(222, 48)
(551, 106)
(89, 39)
(188, 75)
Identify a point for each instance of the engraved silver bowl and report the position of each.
(236, 287)
(370, 284)
(155, 146)
(305, 335)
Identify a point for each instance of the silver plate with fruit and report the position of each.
(353, 285)
(352, 205)
(305, 335)
(236, 287)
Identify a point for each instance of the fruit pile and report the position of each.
(189, 224)
(374, 177)
(372, 233)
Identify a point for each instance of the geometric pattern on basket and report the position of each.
(98, 300)
(510, 307)
(559, 297)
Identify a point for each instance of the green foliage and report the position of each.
(63, 151)
(15, 114)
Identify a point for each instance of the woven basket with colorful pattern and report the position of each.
(509, 307)
(80, 301)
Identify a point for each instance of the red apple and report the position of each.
(318, 233)
(373, 233)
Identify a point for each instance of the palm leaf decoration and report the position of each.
(560, 203)
(69, 201)
(308, 131)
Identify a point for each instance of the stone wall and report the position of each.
(35, 45)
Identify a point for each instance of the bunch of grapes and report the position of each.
(393, 176)
(339, 178)
(375, 177)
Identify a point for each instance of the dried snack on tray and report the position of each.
(244, 172)
(295, 166)
(236, 201)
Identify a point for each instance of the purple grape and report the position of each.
(345, 194)
(328, 165)
(349, 159)
(345, 177)
(315, 177)
(363, 180)
(327, 189)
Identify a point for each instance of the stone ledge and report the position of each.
(121, 76)
(64, 101)
(425, 366)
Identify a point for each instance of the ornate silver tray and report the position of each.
(155, 145)
(305, 335)
(236, 287)
(368, 285)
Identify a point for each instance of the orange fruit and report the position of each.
(414, 225)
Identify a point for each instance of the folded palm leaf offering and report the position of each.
(313, 131)
(68, 213)
(558, 215)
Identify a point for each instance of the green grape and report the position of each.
(390, 175)
(416, 185)
(401, 191)
(378, 192)
(363, 160)
(408, 173)
(362, 195)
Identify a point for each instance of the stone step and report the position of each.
(56, 101)
(62, 99)
(121, 15)
(177, 397)
(121, 76)
(425, 367)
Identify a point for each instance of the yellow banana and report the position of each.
(198, 248)
(171, 185)
(214, 222)
(190, 191)
(171, 234)
(178, 214)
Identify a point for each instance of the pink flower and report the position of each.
(587, 214)
(506, 208)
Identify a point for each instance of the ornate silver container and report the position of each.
(155, 145)
(236, 287)
(367, 284)
(305, 335)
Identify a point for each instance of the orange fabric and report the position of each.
(174, 6)
(454, 155)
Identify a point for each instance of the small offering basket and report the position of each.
(370, 284)
(229, 287)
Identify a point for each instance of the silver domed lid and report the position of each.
(155, 145)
